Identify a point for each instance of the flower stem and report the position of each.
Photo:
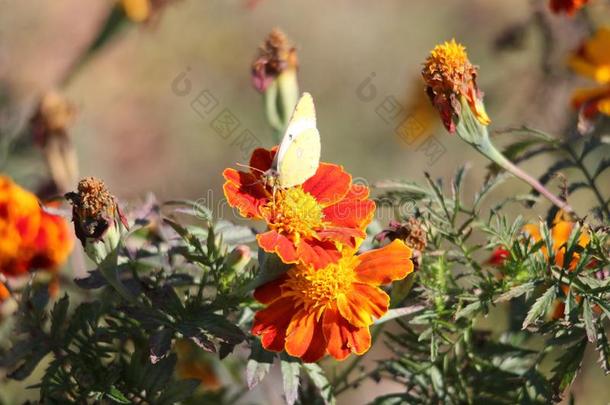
(487, 149)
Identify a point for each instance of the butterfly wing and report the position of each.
(298, 157)
(301, 159)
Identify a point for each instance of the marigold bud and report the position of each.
(450, 77)
(275, 56)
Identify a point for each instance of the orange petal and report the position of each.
(300, 333)
(362, 303)
(269, 292)
(382, 266)
(317, 347)
(350, 213)
(318, 254)
(342, 337)
(343, 236)
(273, 242)
(357, 192)
(4, 292)
(272, 323)
(261, 159)
(532, 231)
(329, 185)
(245, 192)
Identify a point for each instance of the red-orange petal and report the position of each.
(300, 333)
(350, 213)
(362, 303)
(317, 253)
(245, 192)
(271, 323)
(344, 236)
(261, 159)
(269, 292)
(382, 266)
(273, 242)
(329, 185)
(343, 338)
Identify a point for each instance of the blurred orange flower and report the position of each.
(592, 59)
(449, 76)
(569, 7)
(30, 238)
(310, 223)
(313, 312)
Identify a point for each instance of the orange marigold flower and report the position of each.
(310, 223)
(30, 238)
(569, 7)
(449, 76)
(313, 312)
(53, 243)
(19, 223)
(592, 59)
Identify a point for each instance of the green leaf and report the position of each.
(516, 292)
(587, 314)
(568, 365)
(540, 307)
(58, 316)
(291, 369)
(259, 364)
(318, 377)
(469, 310)
(117, 396)
(398, 313)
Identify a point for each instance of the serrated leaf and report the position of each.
(317, 376)
(398, 313)
(515, 292)
(58, 316)
(567, 366)
(468, 310)
(602, 346)
(291, 369)
(117, 396)
(540, 307)
(259, 364)
(587, 314)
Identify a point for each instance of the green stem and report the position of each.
(487, 149)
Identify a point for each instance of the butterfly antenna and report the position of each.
(250, 167)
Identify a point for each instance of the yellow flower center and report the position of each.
(295, 213)
(319, 288)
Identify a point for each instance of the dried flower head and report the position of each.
(412, 232)
(94, 209)
(569, 7)
(276, 55)
(449, 76)
(53, 117)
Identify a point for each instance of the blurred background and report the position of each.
(136, 131)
